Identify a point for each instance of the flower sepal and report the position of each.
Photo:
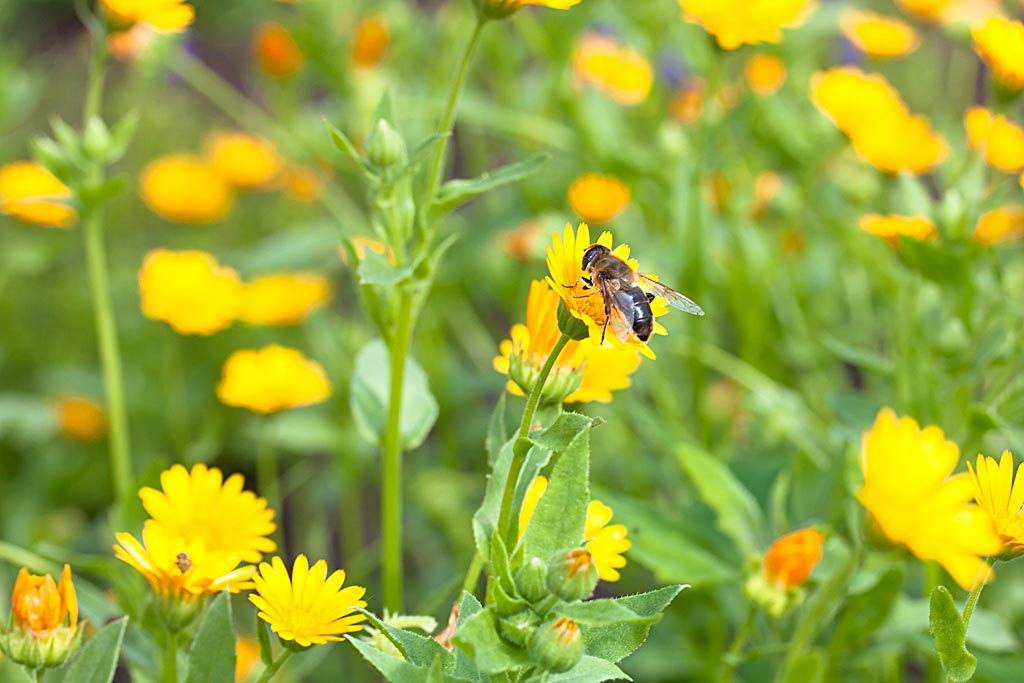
(570, 325)
(33, 652)
(496, 9)
(773, 598)
(557, 646)
(573, 575)
(177, 611)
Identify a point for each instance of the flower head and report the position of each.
(738, 22)
(272, 378)
(275, 51)
(625, 74)
(185, 189)
(499, 9)
(1000, 225)
(1001, 495)
(302, 183)
(283, 298)
(1000, 42)
(79, 418)
(765, 74)
(521, 242)
(309, 607)
(911, 495)
(1001, 140)
(202, 505)
(877, 35)
(32, 194)
(792, 557)
(370, 41)
(598, 198)
(891, 228)
(163, 15)
(189, 290)
(245, 161)
(39, 637)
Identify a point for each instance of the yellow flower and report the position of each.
(79, 418)
(606, 544)
(792, 557)
(877, 35)
(283, 298)
(32, 194)
(901, 143)
(688, 102)
(598, 198)
(309, 608)
(738, 22)
(302, 183)
(910, 494)
(765, 73)
(185, 189)
(1001, 139)
(1000, 42)
(247, 656)
(243, 160)
(272, 378)
(520, 242)
(1001, 495)
(127, 46)
(201, 505)
(189, 290)
(39, 605)
(928, 10)
(275, 51)
(594, 371)
(163, 15)
(890, 228)
(371, 42)
(624, 74)
(565, 266)
(1000, 225)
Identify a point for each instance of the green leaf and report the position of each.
(376, 269)
(421, 153)
(562, 431)
(478, 637)
(935, 261)
(946, 624)
(417, 649)
(97, 661)
(99, 194)
(807, 667)
(392, 668)
(590, 670)
(603, 612)
(263, 637)
(737, 512)
(342, 142)
(456, 192)
(500, 567)
(497, 432)
(557, 523)
(469, 607)
(371, 389)
(914, 197)
(212, 656)
(615, 643)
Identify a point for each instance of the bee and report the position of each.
(627, 294)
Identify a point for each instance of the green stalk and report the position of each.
(170, 653)
(270, 669)
(732, 658)
(975, 594)
(266, 468)
(39, 674)
(476, 565)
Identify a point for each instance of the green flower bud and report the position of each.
(176, 612)
(573, 576)
(519, 628)
(531, 580)
(96, 139)
(557, 646)
(31, 651)
(497, 9)
(524, 369)
(385, 148)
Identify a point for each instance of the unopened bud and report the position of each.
(385, 148)
(556, 646)
(573, 575)
(519, 628)
(531, 580)
(497, 9)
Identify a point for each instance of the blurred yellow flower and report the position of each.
(364, 244)
(901, 143)
(606, 544)
(582, 373)
(245, 161)
(302, 183)
(201, 505)
(766, 188)
(32, 194)
(792, 557)
(185, 189)
(283, 298)
(598, 198)
(1001, 495)
(127, 46)
(370, 42)
(1000, 225)
(1000, 42)
(520, 242)
(910, 494)
(309, 608)
(688, 102)
(1001, 139)
(163, 15)
(79, 418)
(738, 22)
(927, 10)
(189, 290)
(272, 378)
(39, 604)
(624, 74)
(247, 657)
(766, 74)
(877, 35)
(275, 51)
(891, 227)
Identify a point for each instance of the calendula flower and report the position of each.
(1000, 225)
(927, 10)
(189, 290)
(598, 198)
(164, 15)
(737, 22)
(283, 298)
(583, 372)
(906, 143)
(1001, 140)
(245, 161)
(272, 378)
(302, 183)
(792, 557)
(765, 73)
(1001, 495)
(520, 243)
(32, 194)
(247, 657)
(79, 418)
(877, 35)
(370, 42)
(625, 74)
(275, 51)
(1000, 42)
(202, 505)
(185, 189)
(309, 607)
(565, 266)
(499, 9)
(606, 544)
(39, 637)
(688, 101)
(890, 228)
(912, 495)
(127, 46)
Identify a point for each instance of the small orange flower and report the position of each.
(245, 161)
(189, 290)
(1001, 140)
(890, 228)
(275, 51)
(521, 242)
(39, 605)
(791, 558)
(185, 189)
(624, 74)
(271, 379)
(30, 193)
(598, 198)
(79, 418)
(302, 183)
(371, 42)
(127, 46)
(1000, 225)
(877, 35)
(1000, 42)
(765, 73)
(688, 102)
(283, 298)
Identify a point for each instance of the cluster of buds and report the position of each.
(38, 637)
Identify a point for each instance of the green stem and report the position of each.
(391, 487)
(170, 668)
(972, 597)
(270, 669)
(473, 573)
(39, 674)
(732, 658)
(266, 467)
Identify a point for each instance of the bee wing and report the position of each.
(674, 298)
(621, 313)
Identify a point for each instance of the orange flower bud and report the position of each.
(790, 559)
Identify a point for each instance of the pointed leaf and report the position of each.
(478, 637)
(736, 509)
(557, 523)
(463, 665)
(807, 667)
(591, 670)
(946, 624)
(212, 656)
(417, 649)
(497, 432)
(392, 668)
(342, 142)
(614, 643)
(376, 269)
(263, 637)
(456, 192)
(97, 661)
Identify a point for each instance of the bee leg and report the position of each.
(607, 317)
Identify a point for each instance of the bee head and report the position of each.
(592, 252)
